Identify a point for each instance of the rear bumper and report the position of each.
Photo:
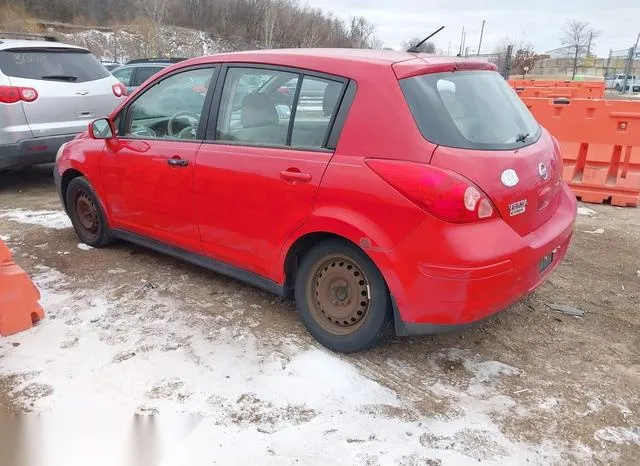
(34, 151)
(465, 273)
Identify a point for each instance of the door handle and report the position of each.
(177, 162)
(291, 175)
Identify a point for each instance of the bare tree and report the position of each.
(270, 23)
(361, 32)
(427, 47)
(155, 10)
(248, 23)
(525, 59)
(578, 35)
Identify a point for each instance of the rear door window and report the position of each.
(267, 107)
(469, 110)
(317, 103)
(124, 75)
(256, 107)
(52, 64)
(143, 73)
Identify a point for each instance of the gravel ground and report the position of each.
(132, 331)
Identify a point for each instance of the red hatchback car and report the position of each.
(376, 188)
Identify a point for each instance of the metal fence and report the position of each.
(624, 61)
(503, 60)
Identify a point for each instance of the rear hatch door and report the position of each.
(524, 184)
(73, 87)
(485, 133)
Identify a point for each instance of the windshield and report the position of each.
(469, 110)
(54, 64)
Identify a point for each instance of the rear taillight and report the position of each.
(12, 94)
(119, 90)
(443, 193)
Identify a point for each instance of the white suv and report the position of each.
(617, 81)
(49, 91)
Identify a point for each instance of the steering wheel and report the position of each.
(191, 117)
(142, 131)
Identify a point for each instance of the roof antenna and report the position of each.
(416, 48)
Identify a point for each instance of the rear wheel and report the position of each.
(342, 297)
(86, 214)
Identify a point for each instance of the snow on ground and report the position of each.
(586, 211)
(56, 219)
(126, 349)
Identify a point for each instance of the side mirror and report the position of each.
(101, 129)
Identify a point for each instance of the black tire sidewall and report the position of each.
(378, 316)
(103, 237)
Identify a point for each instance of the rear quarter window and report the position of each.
(55, 64)
(469, 110)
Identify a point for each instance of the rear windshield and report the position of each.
(53, 64)
(469, 110)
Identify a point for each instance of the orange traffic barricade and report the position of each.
(600, 141)
(19, 307)
(557, 88)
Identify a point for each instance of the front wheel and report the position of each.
(86, 214)
(342, 297)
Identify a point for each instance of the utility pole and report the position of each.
(608, 65)
(461, 42)
(481, 33)
(575, 62)
(449, 49)
(589, 44)
(629, 67)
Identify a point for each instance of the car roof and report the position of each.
(35, 44)
(333, 61)
(146, 64)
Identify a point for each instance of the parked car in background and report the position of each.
(137, 71)
(418, 193)
(111, 65)
(49, 91)
(617, 82)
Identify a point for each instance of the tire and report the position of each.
(86, 213)
(618, 87)
(342, 297)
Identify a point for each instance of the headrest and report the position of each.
(330, 99)
(258, 110)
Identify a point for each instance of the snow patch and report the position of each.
(55, 219)
(137, 349)
(619, 435)
(586, 211)
(84, 247)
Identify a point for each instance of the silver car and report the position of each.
(49, 92)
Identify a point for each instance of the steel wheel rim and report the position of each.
(87, 213)
(338, 294)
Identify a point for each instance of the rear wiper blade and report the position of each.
(60, 77)
(522, 137)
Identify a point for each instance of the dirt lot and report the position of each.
(132, 330)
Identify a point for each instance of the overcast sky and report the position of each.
(538, 21)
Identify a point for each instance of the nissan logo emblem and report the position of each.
(542, 170)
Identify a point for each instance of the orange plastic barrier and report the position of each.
(553, 88)
(600, 142)
(19, 297)
(555, 92)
